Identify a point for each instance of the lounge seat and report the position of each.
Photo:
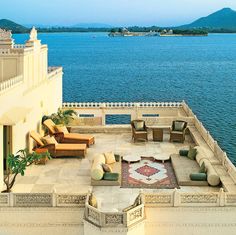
(183, 167)
(97, 166)
(60, 150)
(66, 136)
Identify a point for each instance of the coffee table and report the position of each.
(162, 157)
(131, 158)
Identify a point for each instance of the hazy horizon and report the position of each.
(114, 12)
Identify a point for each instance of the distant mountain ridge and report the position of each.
(14, 27)
(224, 18)
(92, 25)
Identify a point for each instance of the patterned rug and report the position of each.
(148, 173)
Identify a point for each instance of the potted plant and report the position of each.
(17, 164)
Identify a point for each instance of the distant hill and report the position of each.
(224, 19)
(92, 25)
(14, 27)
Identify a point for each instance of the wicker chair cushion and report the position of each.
(139, 125)
(178, 126)
(37, 138)
(61, 128)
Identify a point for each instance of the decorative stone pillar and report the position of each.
(6, 41)
(33, 40)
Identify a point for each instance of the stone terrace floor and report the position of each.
(72, 175)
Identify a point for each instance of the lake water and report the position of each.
(199, 70)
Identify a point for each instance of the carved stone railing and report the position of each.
(213, 145)
(113, 219)
(19, 46)
(10, 83)
(177, 198)
(150, 111)
(122, 104)
(52, 71)
(42, 200)
(70, 200)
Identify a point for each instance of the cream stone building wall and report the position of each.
(29, 89)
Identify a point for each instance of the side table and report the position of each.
(157, 134)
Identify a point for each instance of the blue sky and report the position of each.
(113, 12)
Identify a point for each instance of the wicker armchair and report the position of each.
(177, 131)
(139, 133)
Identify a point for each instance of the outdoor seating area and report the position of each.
(72, 174)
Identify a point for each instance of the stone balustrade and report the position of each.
(174, 198)
(121, 104)
(52, 71)
(42, 200)
(177, 198)
(114, 219)
(10, 83)
(19, 46)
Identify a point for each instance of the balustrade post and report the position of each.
(176, 199)
(222, 197)
(11, 199)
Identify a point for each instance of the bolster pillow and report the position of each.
(97, 170)
(212, 178)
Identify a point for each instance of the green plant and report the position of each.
(61, 117)
(17, 164)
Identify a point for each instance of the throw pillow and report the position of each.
(49, 140)
(93, 201)
(110, 157)
(61, 128)
(192, 153)
(139, 125)
(183, 152)
(198, 176)
(202, 168)
(111, 176)
(106, 168)
(138, 200)
(179, 126)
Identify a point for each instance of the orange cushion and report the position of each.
(78, 136)
(61, 128)
(71, 146)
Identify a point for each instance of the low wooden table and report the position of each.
(162, 157)
(131, 158)
(157, 132)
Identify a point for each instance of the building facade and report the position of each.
(29, 89)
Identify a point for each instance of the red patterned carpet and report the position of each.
(148, 173)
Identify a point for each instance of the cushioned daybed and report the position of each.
(59, 150)
(62, 134)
